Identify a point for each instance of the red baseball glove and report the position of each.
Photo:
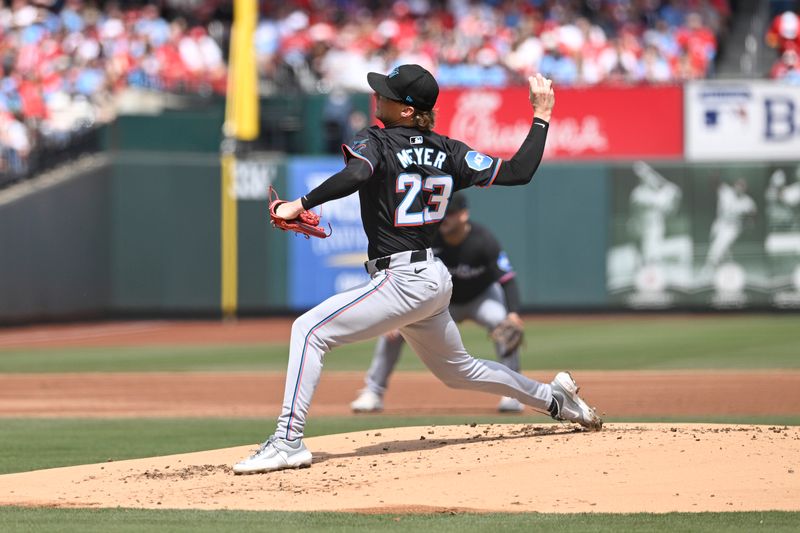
(307, 223)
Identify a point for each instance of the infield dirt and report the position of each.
(510, 468)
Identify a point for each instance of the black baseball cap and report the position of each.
(458, 202)
(410, 84)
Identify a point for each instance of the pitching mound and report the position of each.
(510, 468)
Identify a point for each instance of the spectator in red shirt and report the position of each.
(784, 32)
(698, 42)
(30, 92)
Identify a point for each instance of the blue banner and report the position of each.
(320, 268)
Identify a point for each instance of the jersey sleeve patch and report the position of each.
(478, 161)
(503, 263)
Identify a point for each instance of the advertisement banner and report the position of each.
(253, 176)
(320, 268)
(710, 236)
(591, 123)
(742, 120)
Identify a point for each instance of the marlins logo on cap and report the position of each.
(411, 84)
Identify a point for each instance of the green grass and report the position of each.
(607, 342)
(14, 519)
(663, 342)
(32, 444)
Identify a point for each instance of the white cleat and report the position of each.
(275, 454)
(510, 405)
(367, 402)
(570, 406)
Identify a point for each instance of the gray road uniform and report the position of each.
(484, 290)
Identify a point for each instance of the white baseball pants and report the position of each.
(412, 297)
(487, 309)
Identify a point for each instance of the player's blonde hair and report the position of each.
(424, 120)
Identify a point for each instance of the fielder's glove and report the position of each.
(306, 224)
(509, 335)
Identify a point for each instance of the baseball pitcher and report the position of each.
(405, 175)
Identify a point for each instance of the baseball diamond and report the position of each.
(547, 254)
(369, 470)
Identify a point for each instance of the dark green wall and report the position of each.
(141, 235)
(54, 250)
(198, 130)
(167, 236)
(165, 232)
(554, 231)
(262, 252)
(138, 235)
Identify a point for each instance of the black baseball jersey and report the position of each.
(475, 264)
(414, 174)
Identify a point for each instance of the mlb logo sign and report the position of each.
(725, 107)
(739, 121)
(416, 139)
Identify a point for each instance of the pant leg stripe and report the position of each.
(308, 335)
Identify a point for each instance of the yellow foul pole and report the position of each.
(241, 124)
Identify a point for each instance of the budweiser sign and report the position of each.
(598, 123)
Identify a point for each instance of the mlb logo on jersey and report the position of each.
(417, 139)
(478, 161)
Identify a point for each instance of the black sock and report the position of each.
(553, 409)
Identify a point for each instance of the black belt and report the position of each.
(382, 263)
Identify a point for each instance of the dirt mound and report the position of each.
(509, 468)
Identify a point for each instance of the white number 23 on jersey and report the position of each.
(440, 188)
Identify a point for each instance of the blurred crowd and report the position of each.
(62, 62)
(325, 44)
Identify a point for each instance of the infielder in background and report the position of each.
(405, 175)
(484, 290)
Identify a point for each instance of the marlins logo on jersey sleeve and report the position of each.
(365, 146)
(359, 145)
